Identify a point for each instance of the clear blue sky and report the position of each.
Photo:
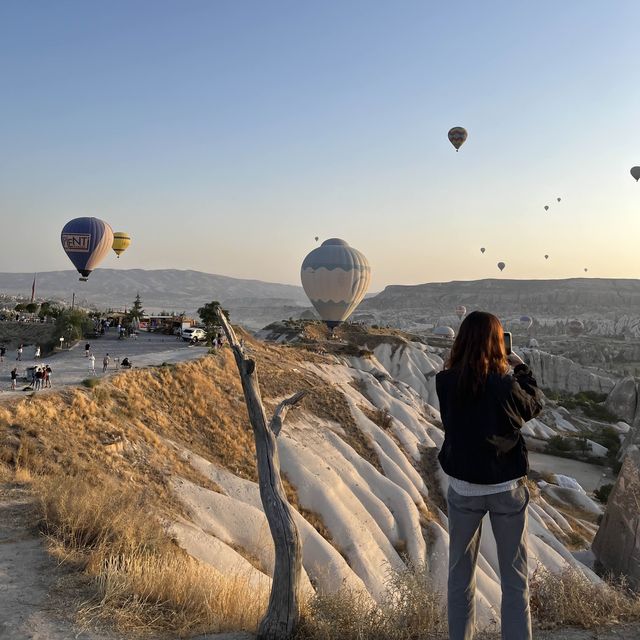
(224, 136)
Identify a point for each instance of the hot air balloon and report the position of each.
(546, 256)
(86, 241)
(558, 199)
(482, 249)
(444, 332)
(635, 172)
(461, 311)
(585, 269)
(121, 242)
(501, 266)
(335, 277)
(526, 321)
(575, 327)
(317, 238)
(457, 136)
(546, 207)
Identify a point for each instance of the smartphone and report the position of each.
(507, 342)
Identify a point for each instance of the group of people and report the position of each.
(39, 377)
(106, 361)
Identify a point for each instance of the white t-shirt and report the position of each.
(464, 488)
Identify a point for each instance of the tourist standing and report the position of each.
(19, 358)
(105, 363)
(92, 364)
(36, 355)
(3, 353)
(87, 349)
(47, 377)
(483, 409)
(14, 378)
(39, 378)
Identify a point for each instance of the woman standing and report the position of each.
(483, 408)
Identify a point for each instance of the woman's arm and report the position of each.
(525, 396)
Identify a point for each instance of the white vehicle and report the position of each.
(194, 334)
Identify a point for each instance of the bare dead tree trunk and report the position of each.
(283, 612)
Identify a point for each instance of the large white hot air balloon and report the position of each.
(335, 277)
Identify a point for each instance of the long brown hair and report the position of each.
(477, 352)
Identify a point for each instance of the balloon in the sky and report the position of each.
(317, 238)
(558, 199)
(86, 241)
(482, 249)
(461, 311)
(457, 136)
(546, 256)
(335, 277)
(575, 327)
(585, 269)
(501, 266)
(635, 172)
(546, 207)
(444, 332)
(121, 242)
(526, 321)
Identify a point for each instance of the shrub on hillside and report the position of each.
(602, 493)
(569, 598)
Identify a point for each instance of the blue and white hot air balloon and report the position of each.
(86, 242)
(335, 277)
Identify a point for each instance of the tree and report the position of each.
(283, 613)
(31, 307)
(209, 316)
(136, 311)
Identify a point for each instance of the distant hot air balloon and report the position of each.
(457, 136)
(585, 269)
(482, 249)
(558, 199)
(444, 332)
(501, 266)
(121, 242)
(317, 238)
(635, 172)
(575, 327)
(86, 241)
(335, 277)
(546, 207)
(526, 321)
(461, 311)
(546, 256)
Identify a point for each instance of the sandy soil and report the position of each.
(32, 601)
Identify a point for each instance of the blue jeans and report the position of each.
(508, 513)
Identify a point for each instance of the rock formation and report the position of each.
(561, 374)
(617, 542)
(623, 399)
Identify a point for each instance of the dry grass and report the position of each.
(146, 593)
(411, 609)
(143, 582)
(570, 599)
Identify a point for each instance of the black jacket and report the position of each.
(482, 439)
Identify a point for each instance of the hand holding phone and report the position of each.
(508, 342)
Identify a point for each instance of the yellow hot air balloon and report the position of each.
(121, 241)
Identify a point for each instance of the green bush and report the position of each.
(602, 493)
(91, 383)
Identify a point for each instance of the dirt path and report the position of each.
(31, 604)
